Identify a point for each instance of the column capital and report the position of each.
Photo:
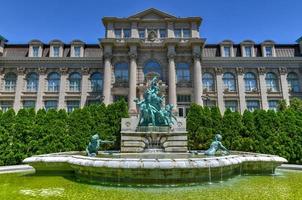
(132, 55)
(171, 55)
(282, 70)
(196, 55)
(21, 70)
(85, 70)
(240, 70)
(261, 70)
(108, 55)
(218, 70)
(64, 70)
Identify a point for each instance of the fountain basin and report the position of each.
(188, 169)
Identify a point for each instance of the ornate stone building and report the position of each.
(236, 76)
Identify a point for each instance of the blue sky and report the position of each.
(23, 20)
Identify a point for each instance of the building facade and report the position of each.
(137, 48)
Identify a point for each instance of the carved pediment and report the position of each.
(152, 14)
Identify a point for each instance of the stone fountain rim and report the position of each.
(149, 163)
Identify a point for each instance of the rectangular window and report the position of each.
(141, 33)
(209, 102)
(177, 33)
(252, 105)
(27, 104)
(232, 105)
(118, 33)
(227, 51)
(56, 51)
(72, 105)
(93, 101)
(183, 111)
(186, 33)
(51, 104)
(248, 51)
(273, 105)
(184, 98)
(35, 51)
(127, 33)
(268, 51)
(5, 105)
(162, 33)
(77, 51)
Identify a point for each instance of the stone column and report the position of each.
(172, 77)
(197, 79)
(134, 30)
(220, 89)
(19, 88)
(284, 84)
(107, 79)
(84, 86)
(170, 29)
(62, 92)
(132, 81)
(263, 89)
(241, 89)
(41, 88)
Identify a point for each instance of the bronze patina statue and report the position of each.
(151, 110)
(216, 146)
(94, 145)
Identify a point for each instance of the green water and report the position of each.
(284, 185)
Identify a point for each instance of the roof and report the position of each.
(3, 39)
(151, 11)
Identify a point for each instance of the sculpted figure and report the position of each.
(94, 145)
(151, 110)
(215, 146)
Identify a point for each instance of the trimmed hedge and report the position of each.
(261, 131)
(28, 133)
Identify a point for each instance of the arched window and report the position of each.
(96, 82)
(208, 82)
(183, 72)
(293, 82)
(229, 81)
(75, 82)
(121, 72)
(152, 67)
(10, 81)
(32, 82)
(53, 82)
(250, 82)
(272, 82)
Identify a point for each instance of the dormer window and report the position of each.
(226, 51)
(77, 51)
(36, 51)
(127, 33)
(118, 33)
(162, 33)
(56, 51)
(268, 51)
(248, 51)
(186, 33)
(141, 33)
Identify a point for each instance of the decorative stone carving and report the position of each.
(132, 55)
(261, 70)
(64, 70)
(42, 70)
(152, 35)
(282, 70)
(85, 70)
(218, 70)
(107, 55)
(21, 70)
(171, 55)
(240, 70)
(196, 55)
(2, 70)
